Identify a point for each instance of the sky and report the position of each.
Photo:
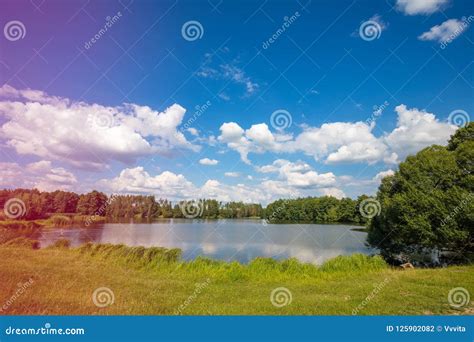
(232, 100)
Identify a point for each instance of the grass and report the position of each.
(56, 220)
(154, 281)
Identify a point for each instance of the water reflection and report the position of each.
(241, 240)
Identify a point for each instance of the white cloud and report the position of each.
(334, 192)
(417, 129)
(137, 180)
(413, 7)
(40, 175)
(447, 31)
(207, 161)
(229, 72)
(232, 72)
(240, 192)
(87, 135)
(379, 176)
(294, 180)
(232, 134)
(298, 174)
(193, 131)
(334, 142)
(343, 142)
(224, 96)
(232, 174)
(177, 187)
(378, 19)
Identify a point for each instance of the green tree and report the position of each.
(427, 205)
(92, 203)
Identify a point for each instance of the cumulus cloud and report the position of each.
(379, 176)
(177, 187)
(413, 7)
(447, 31)
(232, 174)
(240, 192)
(87, 135)
(293, 180)
(207, 161)
(417, 129)
(343, 142)
(334, 142)
(334, 192)
(298, 174)
(40, 175)
(137, 180)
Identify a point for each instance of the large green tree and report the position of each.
(427, 206)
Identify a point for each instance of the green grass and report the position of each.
(154, 281)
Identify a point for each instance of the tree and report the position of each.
(92, 203)
(427, 205)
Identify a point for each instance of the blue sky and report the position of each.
(65, 125)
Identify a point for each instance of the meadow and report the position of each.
(155, 281)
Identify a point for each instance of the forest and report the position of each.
(41, 205)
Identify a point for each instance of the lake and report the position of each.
(241, 240)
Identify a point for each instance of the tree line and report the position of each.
(40, 205)
(326, 209)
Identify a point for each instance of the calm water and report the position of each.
(241, 240)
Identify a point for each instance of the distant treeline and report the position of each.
(325, 209)
(40, 205)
